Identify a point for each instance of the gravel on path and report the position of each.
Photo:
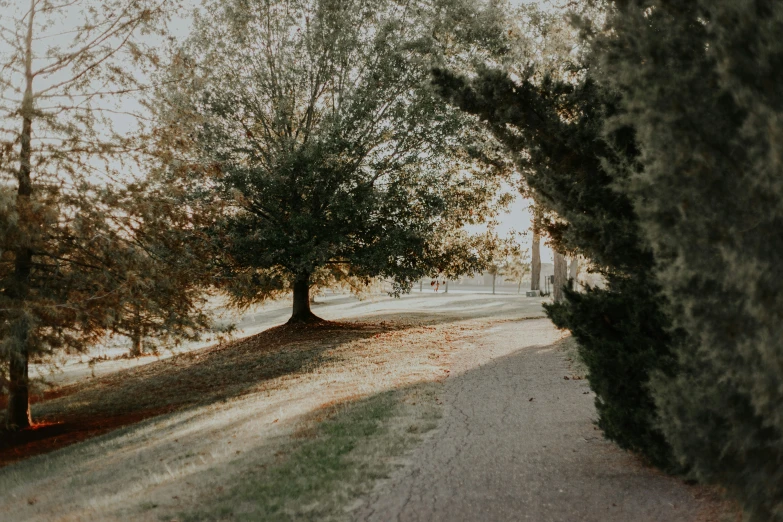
(518, 442)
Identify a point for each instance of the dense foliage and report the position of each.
(701, 83)
(553, 123)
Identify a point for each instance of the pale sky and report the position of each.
(518, 218)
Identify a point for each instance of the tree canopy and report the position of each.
(313, 136)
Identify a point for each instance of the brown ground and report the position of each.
(78, 412)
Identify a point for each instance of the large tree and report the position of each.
(80, 254)
(311, 132)
(701, 85)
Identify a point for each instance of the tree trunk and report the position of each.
(137, 348)
(573, 271)
(561, 276)
(494, 276)
(301, 311)
(446, 287)
(137, 334)
(519, 287)
(18, 413)
(421, 285)
(535, 262)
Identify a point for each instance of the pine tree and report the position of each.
(553, 121)
(702, 89)
(79, 254)
(314, 136)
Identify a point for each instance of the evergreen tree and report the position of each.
(553, 121)
(80, 256)
(314, 137)
(701, 84)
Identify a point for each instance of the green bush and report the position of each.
(703, 88)
(574, 170)
(622, 341)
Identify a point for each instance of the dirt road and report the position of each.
(517, 442)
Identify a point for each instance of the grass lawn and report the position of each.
(328, 464)
(288, 423)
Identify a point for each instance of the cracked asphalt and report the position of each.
(517, 442)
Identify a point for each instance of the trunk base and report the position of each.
(301, 312)
(305, 318)
(17, 415)
(135, 352)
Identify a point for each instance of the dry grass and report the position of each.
(330, 462)
(83, 410)
(225, 412)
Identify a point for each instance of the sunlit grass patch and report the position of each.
(329, 464)
(234, 412)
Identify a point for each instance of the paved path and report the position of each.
(517, 442)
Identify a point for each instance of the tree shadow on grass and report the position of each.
(334, 458)
(329, 468)
(212, 374)
(84, 410)
(333, 452)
